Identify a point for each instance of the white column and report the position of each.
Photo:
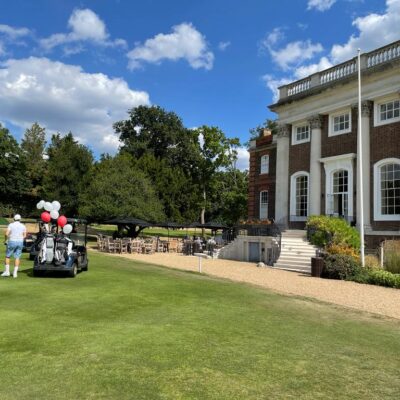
(282, 176)
(315, 166)
(366, 107)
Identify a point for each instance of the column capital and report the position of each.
(366, 108)
(315, 121)
(283, 130)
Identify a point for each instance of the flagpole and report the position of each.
(359, 169)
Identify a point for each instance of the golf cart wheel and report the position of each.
(31, 257)
(37, 273)
(74, 271)
(86, 267)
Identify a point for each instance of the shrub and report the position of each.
(326, 231)
(340, 266)
(384, 278)
(391, 251)
(372, 262)
(343, 250)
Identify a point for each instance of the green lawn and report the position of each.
(125, 330)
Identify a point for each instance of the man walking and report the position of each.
(15, 235)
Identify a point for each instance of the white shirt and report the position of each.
(16, 232)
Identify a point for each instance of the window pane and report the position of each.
(390, 189)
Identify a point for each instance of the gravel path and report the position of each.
(373, 299)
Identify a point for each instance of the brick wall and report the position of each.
(260, 182)
(385, 143)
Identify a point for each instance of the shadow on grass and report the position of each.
(45, 274)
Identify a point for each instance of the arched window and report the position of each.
(264, 204)
(264, 165)
(387, 190)
(299, 196)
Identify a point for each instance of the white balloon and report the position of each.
(67, 229)
(54, 214)
(48, 206)
(56, 205)
(40, 205)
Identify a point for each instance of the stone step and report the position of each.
(299, 263)
(292, 267)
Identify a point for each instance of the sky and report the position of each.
(81, 65)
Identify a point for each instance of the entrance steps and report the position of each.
(296, 252)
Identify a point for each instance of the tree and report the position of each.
(118, 188)
(33, 147)
(216, 152)
(14, 184)
(229, 197)
(68, 167)
(156, 131)
(258, 130)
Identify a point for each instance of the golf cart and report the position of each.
(61, 252)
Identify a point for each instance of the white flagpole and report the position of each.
(359, 156)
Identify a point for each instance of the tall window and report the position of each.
(340, 189)
(264, 204)
(299, 196)
(264, 166)
(387, 189)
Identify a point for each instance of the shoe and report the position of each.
(5, 273)
(15, 275)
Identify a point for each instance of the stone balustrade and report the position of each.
(368, 60)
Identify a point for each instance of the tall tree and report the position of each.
(33, 147)
(216, 152)
(68, 167)
(119, 188)
(228, 197)
(14, 184)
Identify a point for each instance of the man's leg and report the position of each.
(17, 256)
(6, 267)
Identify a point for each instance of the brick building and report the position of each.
(313, 160)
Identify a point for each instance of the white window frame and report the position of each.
(377, 113)
(293, 217)
(378, 216)
(294, 132)
(260, 198)
(332, 116)
(333, 164)
(264, 165)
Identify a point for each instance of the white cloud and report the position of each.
(306, 70)
(243, 157)
(85, 25)
(223, 45)
(320, 5)
(14, 33)
(375, 30)
(295, 53)
(64, 98)
(185, 42)
(274, 83)
(2, 49)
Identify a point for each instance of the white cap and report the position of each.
(17, 217)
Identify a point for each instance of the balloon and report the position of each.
(48, 206)
(56, 205)
(54, 214)
(67, 229)
(62, 221)
(45, 216)
(40, 205)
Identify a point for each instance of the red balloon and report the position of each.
(45, 216)
(62, 221)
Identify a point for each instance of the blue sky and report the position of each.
(80, 65)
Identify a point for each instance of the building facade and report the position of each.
(316, 152)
